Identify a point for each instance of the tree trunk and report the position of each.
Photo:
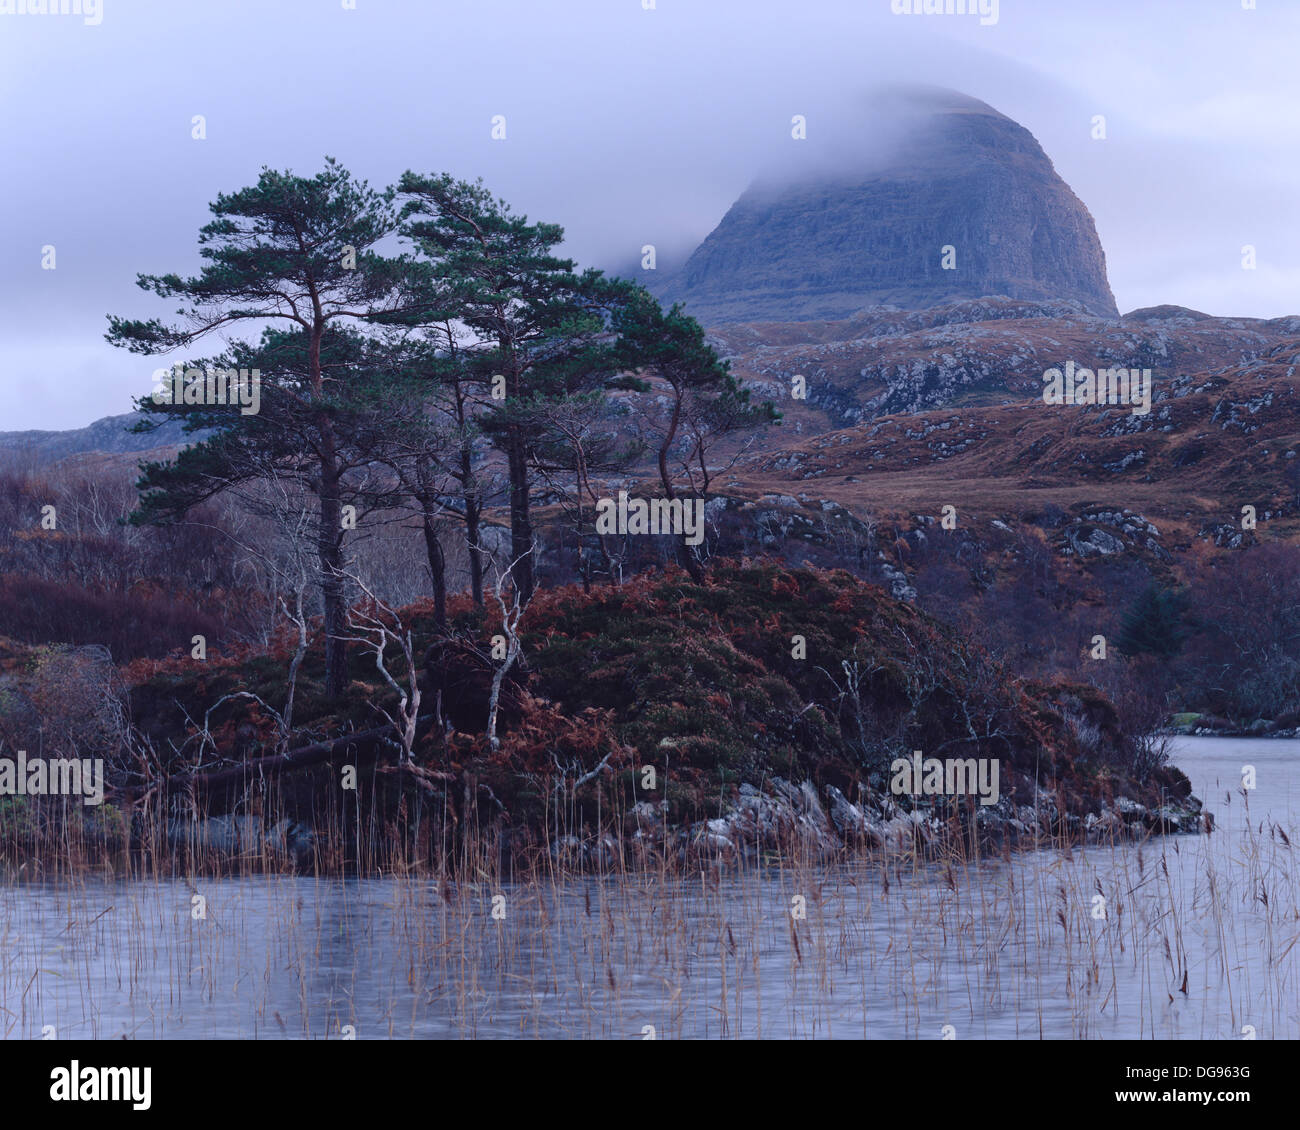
(437, 569)
(521, 522)
(356, 745)
(473, 511)
(429, 508)
(685, 557)
(329, 534)
(690, 562)
(330, 553)
(334, 598)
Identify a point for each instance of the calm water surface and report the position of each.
(987, 950)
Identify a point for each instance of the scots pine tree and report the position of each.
(695, 403)
(298, 255)
(1155, 624)
(534, 332)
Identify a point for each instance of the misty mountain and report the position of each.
(935, 197)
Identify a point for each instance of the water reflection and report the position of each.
(1195, 937)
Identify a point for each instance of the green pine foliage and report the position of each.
(1155, 624)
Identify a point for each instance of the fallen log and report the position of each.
(304, 757)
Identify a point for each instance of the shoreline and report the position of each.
(794, 824)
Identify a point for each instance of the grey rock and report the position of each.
(234, 836)
(829, 242)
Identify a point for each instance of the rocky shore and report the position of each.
(797, 821)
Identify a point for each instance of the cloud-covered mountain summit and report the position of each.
(923, 177)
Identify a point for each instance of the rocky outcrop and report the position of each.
(231, 837)
(794, 819)
(996, 351)
(873, 231)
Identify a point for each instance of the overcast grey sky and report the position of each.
(628, 126)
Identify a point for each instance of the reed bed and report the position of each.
(1196, 938)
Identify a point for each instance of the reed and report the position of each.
(101, 937)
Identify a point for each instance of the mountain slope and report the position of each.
(110, 434)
